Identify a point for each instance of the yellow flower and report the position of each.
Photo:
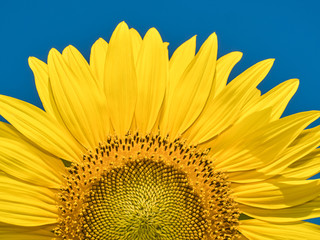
(137, 146)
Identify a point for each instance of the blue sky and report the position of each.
(285, 30)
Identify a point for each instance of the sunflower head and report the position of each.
(134, 145)
(146, 187)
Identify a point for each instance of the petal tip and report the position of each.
(212, 40)
(213, 36)
(295, 81)
(122, 26)
(31, 60)
(101, 40)
(271, 60)
(53, 52)
(153, 33)
(240, 54)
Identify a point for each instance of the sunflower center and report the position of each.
(143, 200)
(146, 188)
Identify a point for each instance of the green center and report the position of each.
(143, 200)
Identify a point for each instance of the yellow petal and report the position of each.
(28, 164)
(152, 73)
(136, 43)
(305, 143)
(192, 90)
(223, 69)
(240, 130)
(179, 61)
(304, 211)
(301, 169)
(14, 232)
(259, 230)
(264, 145)
(98, 59)
(249, 176)
(277, 98)
(242, 237)
(177, 65)
(276, 195)
(224, 110)
(41, 75)
(224, 66)
(8, 131)
(39, 128)
(280, 96)
(26, 205)
(120, 79)
(252, 100)
(305, 167)
(78, 97)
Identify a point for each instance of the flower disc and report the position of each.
(156, 189)
(143, 200)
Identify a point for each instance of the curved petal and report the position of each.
(41, 75)
(98, 59)
(152, 74)
(301, 169)
(8, 131)
(249, 176)
(14, 232)
(27, 164)
(304, 211)
(305, 167)
(277, 98)
(178, 63)
(192, 90)
(26, 205)
(276, 195)
(260, 148)
(136, 43)
(39, 128)
(255, 229)
(78, 97)
(120, 79)
(304, 144)
(240, 130)
(224, 66)
(225, 109)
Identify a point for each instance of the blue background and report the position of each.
(288, 31)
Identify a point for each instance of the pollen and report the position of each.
(146, 187)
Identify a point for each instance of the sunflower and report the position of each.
(136, 146)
